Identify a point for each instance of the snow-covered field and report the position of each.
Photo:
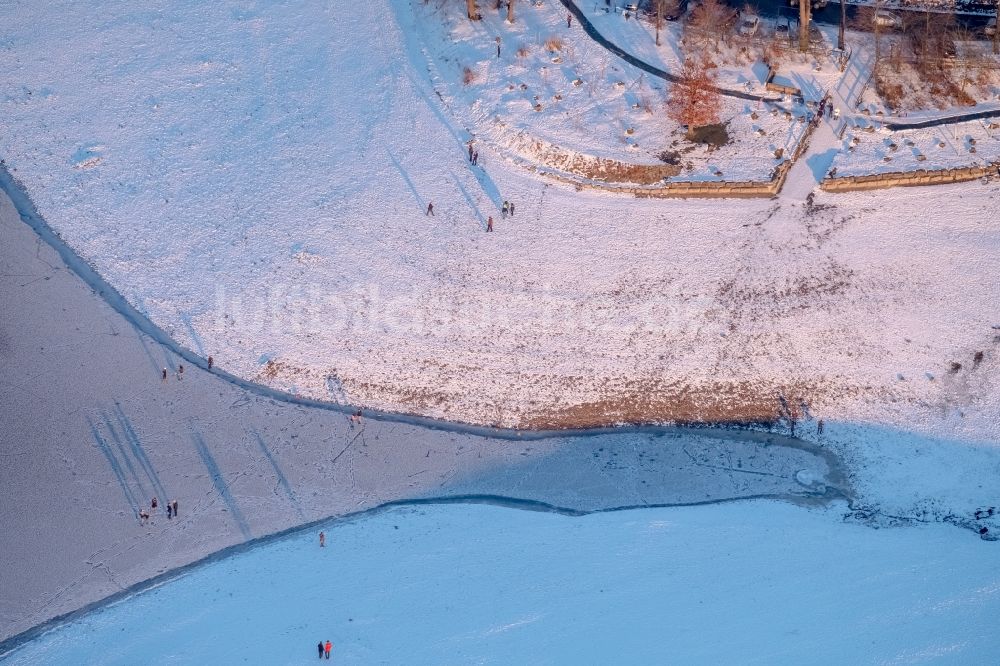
(747, 583)
(882, 151)
(90, 432)
(256, 182)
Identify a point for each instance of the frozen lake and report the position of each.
(751, 582)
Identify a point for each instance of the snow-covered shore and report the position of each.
(90, 433)
(257, 182)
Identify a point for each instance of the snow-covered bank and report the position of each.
(748, 583)
(257, 183)
(89, 433)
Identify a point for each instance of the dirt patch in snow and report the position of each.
(740, 402)
(600, 168)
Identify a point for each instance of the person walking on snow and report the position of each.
(489, 224)
(506, 207)
(470, 151)
(154, 504)
(430, 208)
(329, 646)
(170, 511)
(209, 362)
(510, 209)
(180, 371)
(164, 374)
(498, 47)
(475, 158)
(569, 20)
(176, 513)
(322, 540)
(320, 648)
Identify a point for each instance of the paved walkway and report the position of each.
(809, 170)
(596, 35)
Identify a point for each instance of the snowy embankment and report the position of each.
(948, 147)
(557, 101)
(256, 183)
(91, 433)
(749, 583)
(89, 424)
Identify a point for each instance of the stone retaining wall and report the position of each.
(700, 189)
(690, 189)
(908, 178)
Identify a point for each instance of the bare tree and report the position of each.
(868, 18)
(841, 41)
(805, 16)
(711, 20)
(668, 8)
(510, 11)
(996, 29)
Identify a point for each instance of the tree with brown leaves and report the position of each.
(694, 99)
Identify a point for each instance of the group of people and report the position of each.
(180, 369)
(821, 107)
(171, 510)
(324, 649)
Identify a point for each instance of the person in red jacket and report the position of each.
(329, 646)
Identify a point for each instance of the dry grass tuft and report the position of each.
(554, 44)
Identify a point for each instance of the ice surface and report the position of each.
(750, 583)
(90, 433)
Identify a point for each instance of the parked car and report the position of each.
(991, 28)
(749, 25)
(884, 19)
(677, 11)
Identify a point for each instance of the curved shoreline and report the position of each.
(12, 644)
(29, 214)
(269, 466)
